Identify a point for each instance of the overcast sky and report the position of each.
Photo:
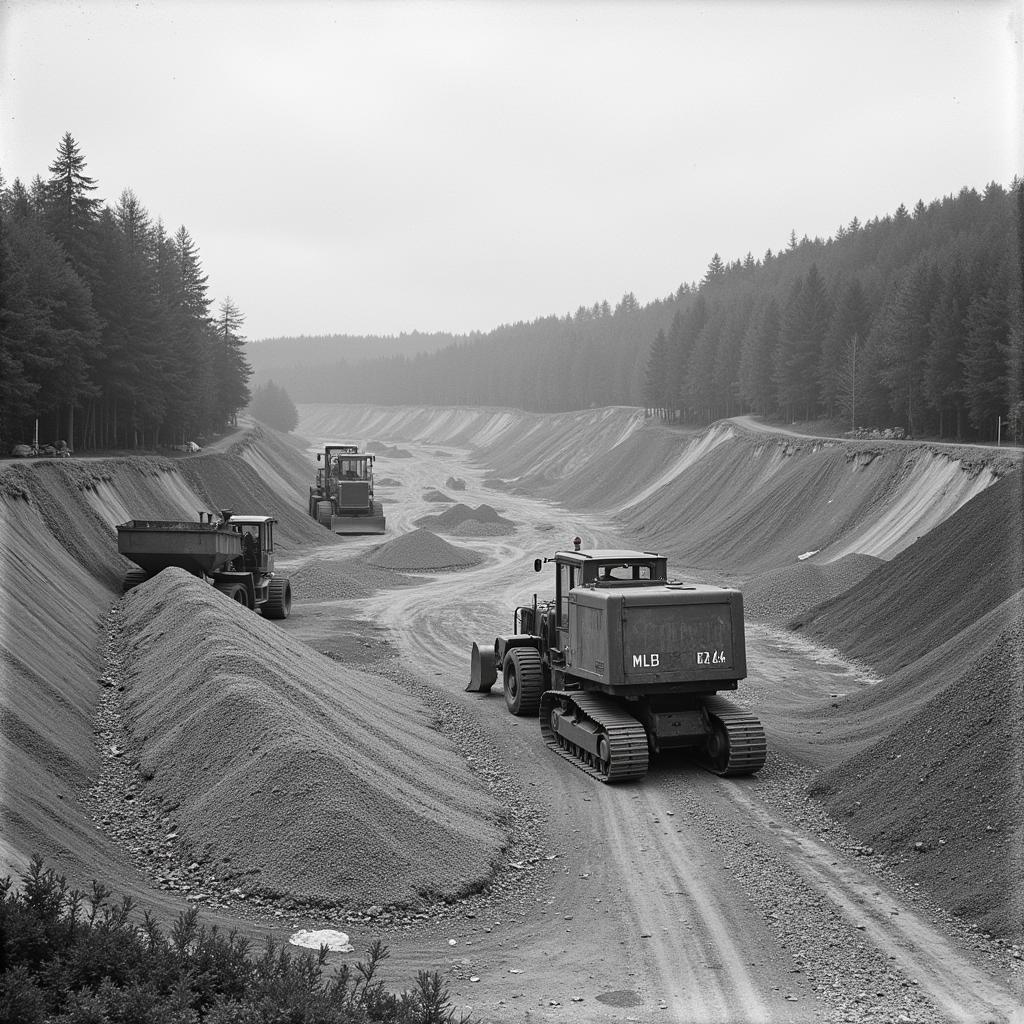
(348, 167)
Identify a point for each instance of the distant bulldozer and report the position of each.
(342, 498)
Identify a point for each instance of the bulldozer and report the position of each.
(342, 497)
(625, 663)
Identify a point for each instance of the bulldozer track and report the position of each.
(627, 740)
(747, 746)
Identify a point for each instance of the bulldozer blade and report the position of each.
(483, 673)
(357, 524)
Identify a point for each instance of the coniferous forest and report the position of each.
(107, 338)
(911, 320)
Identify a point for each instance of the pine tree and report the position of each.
(906, 342)
(715, 271)
(71, 212)
(985, 359)
(943, 372)
(760, 341)
(851, 380)
(231, 370)
(272, 405)
(656, 378)
(850, 317)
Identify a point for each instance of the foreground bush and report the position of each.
(68, 957)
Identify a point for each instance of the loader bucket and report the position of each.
(482, 673)
(357, 524)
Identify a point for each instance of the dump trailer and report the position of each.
(342, 497)
(624, 663)
(235, 553)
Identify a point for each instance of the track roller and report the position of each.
(737, 744)
(595, 734)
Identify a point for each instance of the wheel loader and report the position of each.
(342, 497)
(235, 554)
(624, 663)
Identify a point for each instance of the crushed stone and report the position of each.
(423, 550)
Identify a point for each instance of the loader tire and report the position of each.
(132, 578)
(279, 599)
(524, 681)
(324, 513)
(235, 592)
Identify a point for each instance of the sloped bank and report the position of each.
(61, 574)
(725, 497)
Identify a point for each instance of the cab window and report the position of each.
(566, 581)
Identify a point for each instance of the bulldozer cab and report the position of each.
(600, 568)
(352, 467)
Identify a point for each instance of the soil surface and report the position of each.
(329, 771)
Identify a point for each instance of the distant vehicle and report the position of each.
(342, 497)
(235, 554)
(60, 450)
(624, 663)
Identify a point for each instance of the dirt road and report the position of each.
(684, 897)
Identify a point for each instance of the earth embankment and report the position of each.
(733, 502)
(725, 497)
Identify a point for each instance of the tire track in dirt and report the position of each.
(695, 941)
(961, 991)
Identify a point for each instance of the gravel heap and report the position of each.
(942, 795)
(455, 483)
(435, 495)
(290, 774)
(335, 581)
(472, 528)
(936, 781)
(422, 549)
(780, 595)
(389, 450)
(460, 519)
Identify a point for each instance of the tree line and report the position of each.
(107, 338)
(912, 319)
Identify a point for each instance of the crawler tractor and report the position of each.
(342, 497)
(624, 663)
(235, 554)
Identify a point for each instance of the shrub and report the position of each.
(67, 957)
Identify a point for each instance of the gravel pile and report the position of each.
(779, 595)
(472, 528)
(388, 481)
(388, 450)
(482, 521)
(284, 774)
(423, 550)
(935, 781)
(435, 495)
(335, 581)
(941, 795)
(455, 483)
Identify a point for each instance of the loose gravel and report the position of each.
(283, 773)
(464, 521)
(423, 550)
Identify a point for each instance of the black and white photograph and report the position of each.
(511, 512)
